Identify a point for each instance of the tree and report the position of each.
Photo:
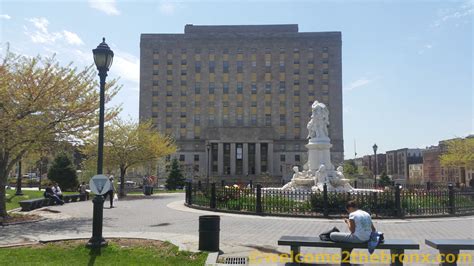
(41, 101)
(175, 178)
(459, 153)
(128, 144)
(350, 169)
(63, 172)
(384, 180)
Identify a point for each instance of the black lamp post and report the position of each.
(208, 148)
(103, 58)
(375, 166)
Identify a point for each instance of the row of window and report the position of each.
(182, 158)
(238, 50)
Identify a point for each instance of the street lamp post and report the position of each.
(208, 148)
(375, 166)
(103, 58)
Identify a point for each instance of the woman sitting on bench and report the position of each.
(49, 194)
(359, 223)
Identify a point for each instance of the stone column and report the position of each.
(270, 158)
(245, 154)
(220, 158)
(232, 159)
(258, 160)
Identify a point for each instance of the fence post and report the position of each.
(251, 183)
(325, 201)
(199, 184)
(452, 207)
(186, 194)
(190, 194)
(222, 183)
(355, 183)
(398, 203)
(428, 186)
(212, 202)
(258, 204)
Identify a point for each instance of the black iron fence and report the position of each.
(395, 202)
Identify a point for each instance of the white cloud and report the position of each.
(107, 6)
(167, 7)
(358, 83)
(425, 48)
(465, 10)
(126, 66)
(5, 16)
(72, 38)
(42, 35)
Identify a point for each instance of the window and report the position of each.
(154, 115)
(197, 67)
(254, 63)
(296, 50)
(267, 63)
(311, 71)
(196, 157)
(184, 62)
(282, 50)
(183, 115)
(182, 104)
(325, 49)
(282, 147)
(296, 72)
(297, 158)
(182, 157)
(296, 93)
(297, 125)
(296, 82)
(240, 120)
(156, 62)
(197, 120)
(211, 120)
(240, 87)
(325, 61)
(184, 83)
(169, 114)
(155, 72)
(212, 66)
(154, 93)
(254, 104)
(282, 158)
(169, 93)
(254, 88)
(169, 104)
(211, 88)
(197, 88)
(168, 125)
(225, 89)
(225, 66)
(183, 72)
(156, 51)
(268, 88)
(268, 103)
(226, 51)
(296, 62)
(155, 82)
(240, 66)
(183, 93)
(183, 125)
(325, 71)
(268, 120)
(310, 81)
(297, 147)
(240, 51)
(169, 72)
(225, 104)
(197, 50)
(282, 120)
(239, 104)
(169, 62)
(253, 120)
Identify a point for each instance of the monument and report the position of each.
(319, 170)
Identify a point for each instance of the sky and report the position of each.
(407, 65)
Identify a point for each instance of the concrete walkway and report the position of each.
(164, 217)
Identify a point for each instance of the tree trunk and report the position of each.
(3, 182)
(122, 193)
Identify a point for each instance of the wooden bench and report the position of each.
(397, 247)
(31, 204)
(449, 248)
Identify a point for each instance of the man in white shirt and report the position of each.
(359, 224)
(57, 190)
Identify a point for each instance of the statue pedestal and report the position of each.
(319, 153)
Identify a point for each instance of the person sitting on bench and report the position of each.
(49, 194)
(359, 224)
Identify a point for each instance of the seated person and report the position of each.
(83, 189)
(359, 224)
(57, 190)
(49, 194)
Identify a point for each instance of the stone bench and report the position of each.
(396, 246)
(449, 248)
(31, 204)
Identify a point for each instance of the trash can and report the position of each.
(148, 190)
(209, 227)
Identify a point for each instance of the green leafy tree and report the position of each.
(384, 180)
(350, 169)
(460, 153)
(63, 172)
(42, 101)
(175, 177)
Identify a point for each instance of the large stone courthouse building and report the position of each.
(238, 98)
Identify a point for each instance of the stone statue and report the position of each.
(321, 175)
(318, 125)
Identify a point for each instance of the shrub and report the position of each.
(63, 172)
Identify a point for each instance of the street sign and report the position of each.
(99, 184)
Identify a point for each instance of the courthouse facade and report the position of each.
(237, 98)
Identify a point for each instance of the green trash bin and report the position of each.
(148, 190)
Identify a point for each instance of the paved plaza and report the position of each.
(164, 217)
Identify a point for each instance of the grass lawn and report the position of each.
(118, 252)
(12, 200)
